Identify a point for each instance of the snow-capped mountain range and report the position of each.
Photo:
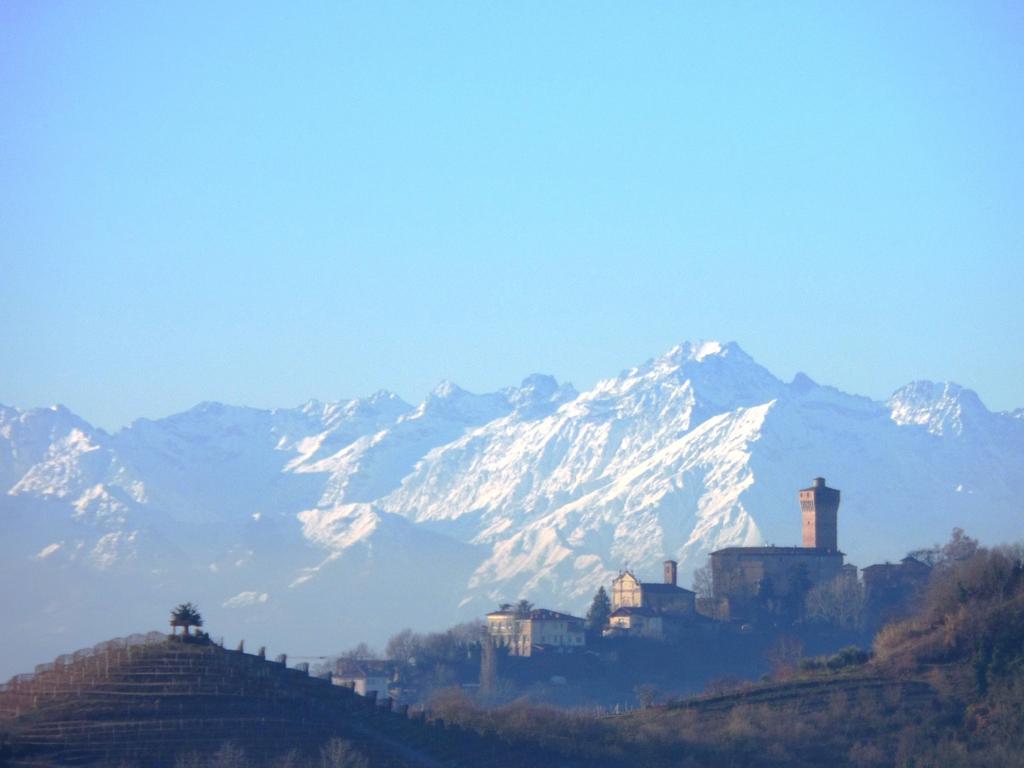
(314, 527)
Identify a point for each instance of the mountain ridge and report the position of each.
(535, 490)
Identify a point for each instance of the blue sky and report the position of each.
(228, 202)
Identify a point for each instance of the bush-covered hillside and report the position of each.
(944, 688)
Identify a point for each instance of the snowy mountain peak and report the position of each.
(382, 402)
(54, 419)
(29, 438)
(943, 407)
(698, 350)
(701, 359)
(446, 389)
(385, 396)
(211, 409)
(539, 394)
(532, 491)
(449, 402)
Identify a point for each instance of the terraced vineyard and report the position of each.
(813, 695)
(147, 699)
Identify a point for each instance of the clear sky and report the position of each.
(219, 201)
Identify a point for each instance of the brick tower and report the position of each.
(819, 507)
(671, 569)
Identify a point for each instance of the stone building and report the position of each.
(666, 597)
(650, 609)
(889, 588)
(537, 630)
(751, 581)
(819, 508)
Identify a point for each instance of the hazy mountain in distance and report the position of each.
(312, 528)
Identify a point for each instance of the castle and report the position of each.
(748, 581)
(749, 585)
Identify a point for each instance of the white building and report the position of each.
(537, 630)
(364, 676)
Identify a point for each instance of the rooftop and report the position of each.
(356, 668)
(537, 614)
(657, 586)
(818, 482)
(907, 563)
(632, 611)
(779, 551)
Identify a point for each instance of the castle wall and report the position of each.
(747, 572)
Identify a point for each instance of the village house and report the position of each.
(535, 631)
(636, 622)
(364, 675)
(890, 587)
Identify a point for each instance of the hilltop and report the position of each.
(158, 701)
(943, 687)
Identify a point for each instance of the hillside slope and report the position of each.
(153, 701)
(945, 688)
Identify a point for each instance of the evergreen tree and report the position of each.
(600, 610)
(186, 615)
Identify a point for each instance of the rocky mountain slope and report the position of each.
(318, 526)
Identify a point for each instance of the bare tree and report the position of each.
(338, 753)
(646, 693)
(959, 547)
(229, 755)
(403, 646)
(360, 651)
(703, 582)
(839, 602)
(784, 656)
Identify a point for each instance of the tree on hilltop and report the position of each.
(185, 615)
(959, 547)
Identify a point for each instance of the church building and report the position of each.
(665, 597)
(654, 610)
